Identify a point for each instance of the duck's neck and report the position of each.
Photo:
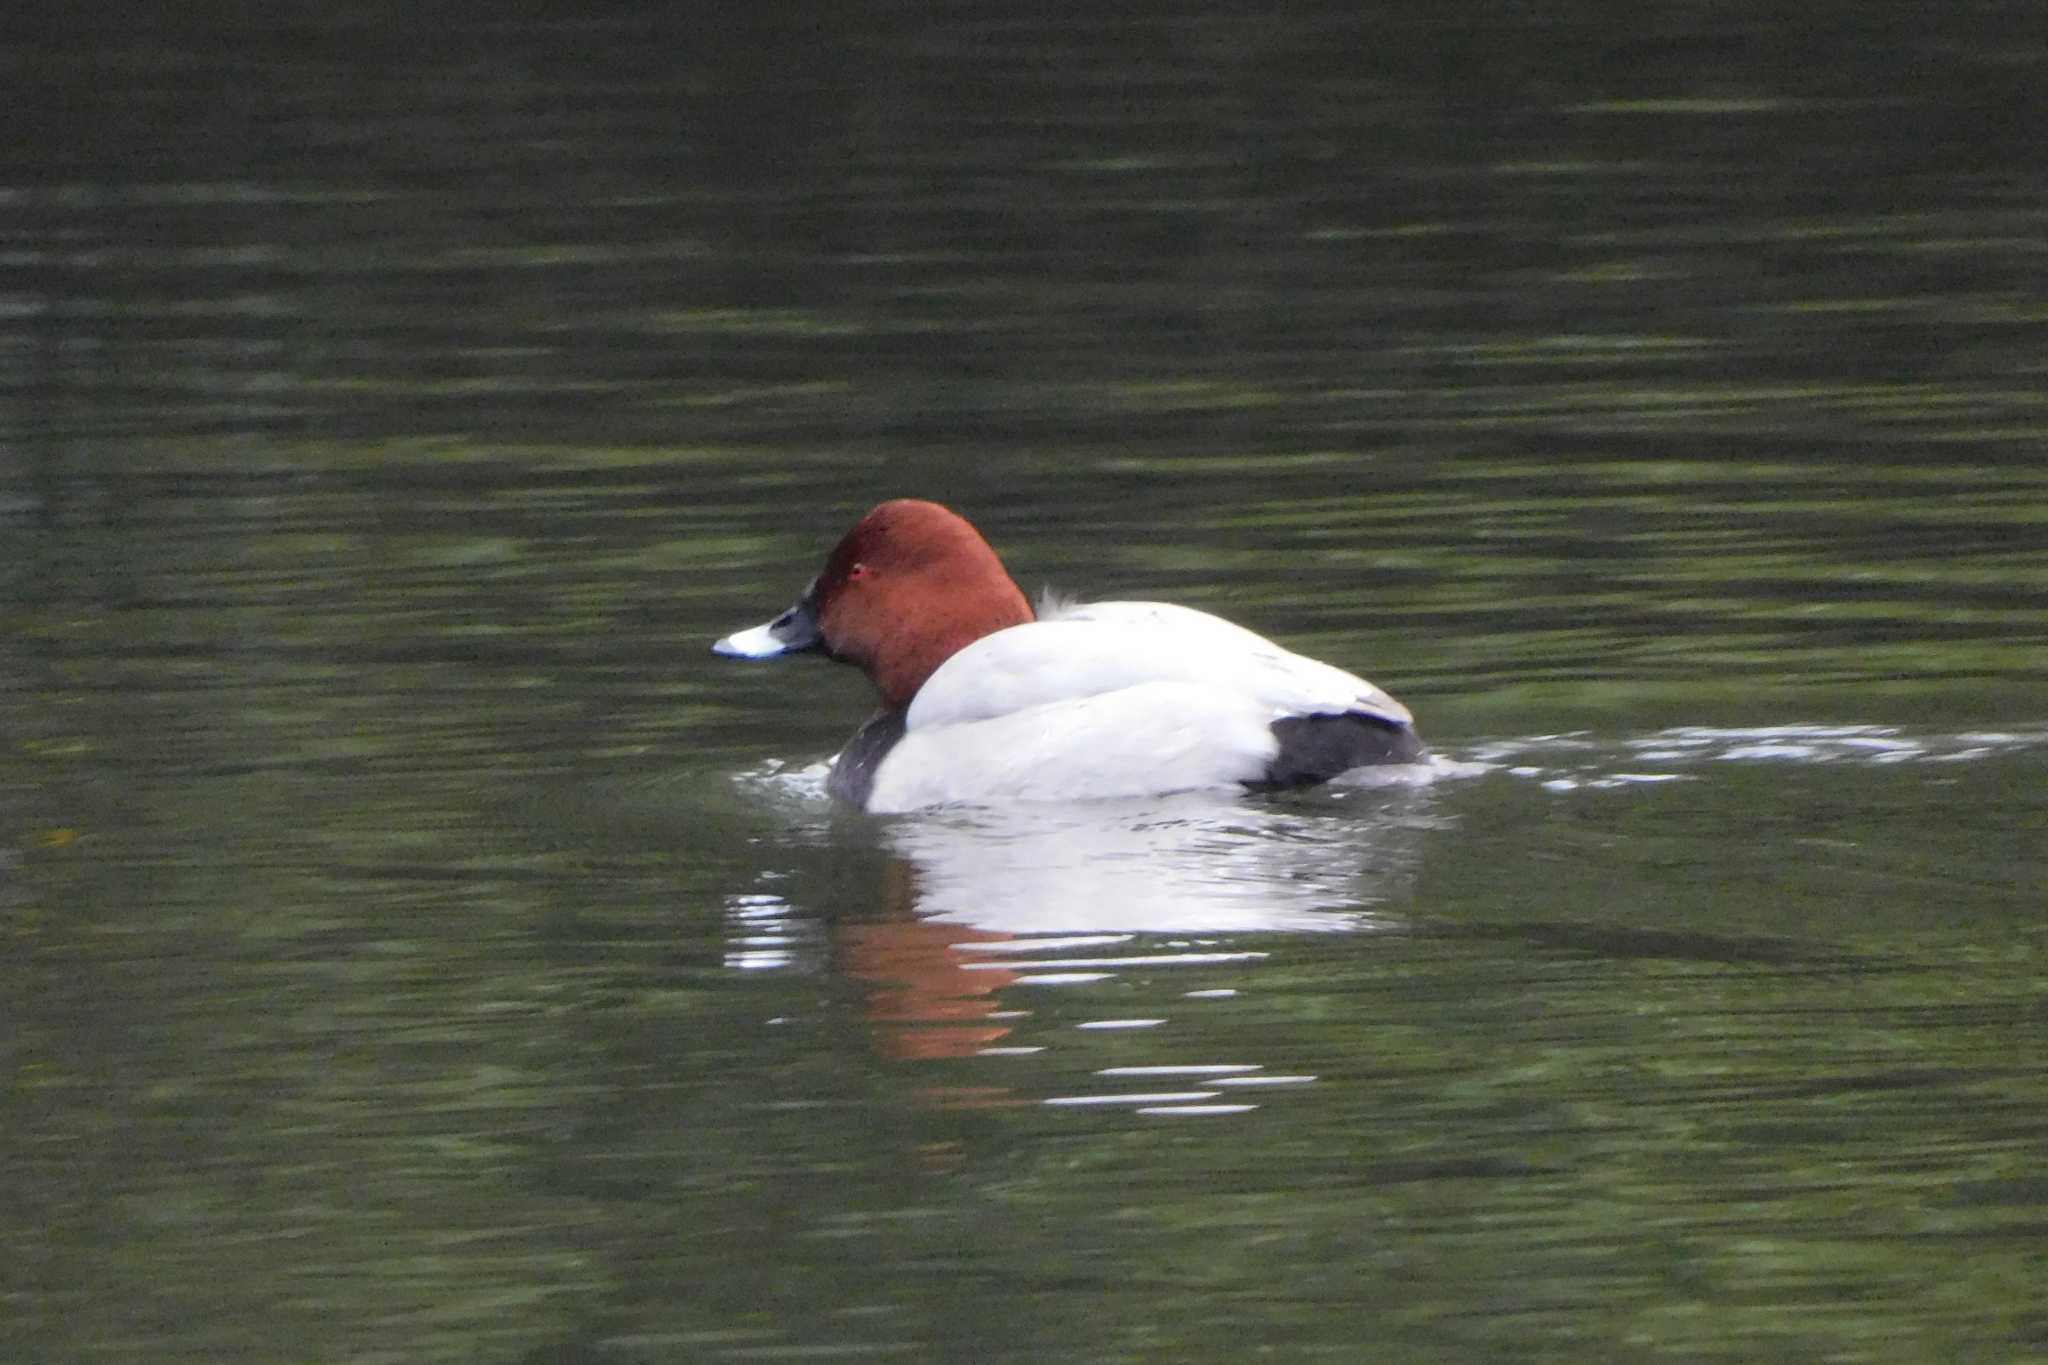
(927, 643)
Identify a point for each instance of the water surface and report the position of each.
(419, 947)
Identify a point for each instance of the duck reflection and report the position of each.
(1192, 864)
(981, 902)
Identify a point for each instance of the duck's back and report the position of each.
(1103, 647)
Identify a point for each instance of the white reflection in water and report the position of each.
(764, 934)
(1200, 1069)
(1194, 864)
(1147, 1097)
(1060, 899)
(995, 929)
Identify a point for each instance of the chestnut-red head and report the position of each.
(911, 585)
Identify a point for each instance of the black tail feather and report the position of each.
(1317, 748)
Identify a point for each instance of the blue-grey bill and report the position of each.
(792, 632)
(758, 643)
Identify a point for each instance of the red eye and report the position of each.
(857, 573)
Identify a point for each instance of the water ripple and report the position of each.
(1582, 758)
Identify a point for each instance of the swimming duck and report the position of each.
(985, 700)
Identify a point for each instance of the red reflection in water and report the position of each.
(926, 1001)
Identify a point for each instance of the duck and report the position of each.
(988, 700)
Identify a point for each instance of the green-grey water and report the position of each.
(418, 947)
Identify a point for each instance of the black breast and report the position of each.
(853, 772)
(1317, 748)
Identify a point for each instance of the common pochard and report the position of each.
(986, 701)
